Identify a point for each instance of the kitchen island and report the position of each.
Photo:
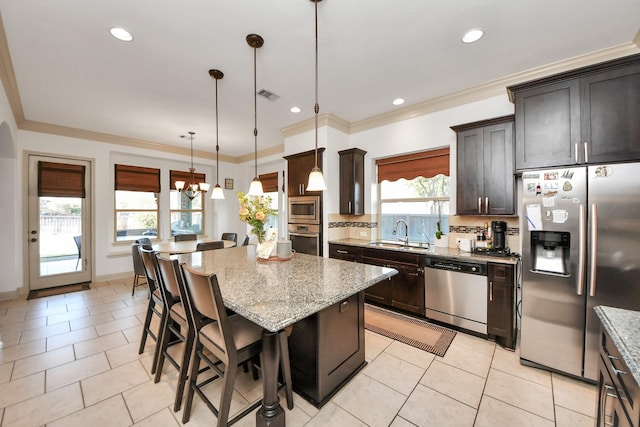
(277, 294)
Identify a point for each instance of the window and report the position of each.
(405, 194)
(136, 202)
(186, 214)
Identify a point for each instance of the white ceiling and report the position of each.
(71, 72)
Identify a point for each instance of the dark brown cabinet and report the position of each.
(345, 252)
(299, 166)
(403, 291)
(352, 181)
(588, 115)
(326, 349)
(485, 182)
(501, 316)
(618, 392)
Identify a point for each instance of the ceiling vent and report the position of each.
(269, 95)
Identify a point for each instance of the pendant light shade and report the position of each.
(217, 192)
(255, 41)
(316, 180)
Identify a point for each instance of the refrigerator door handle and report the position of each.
(582, 249)
(594, 250)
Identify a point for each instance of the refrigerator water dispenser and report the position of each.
(550, 252)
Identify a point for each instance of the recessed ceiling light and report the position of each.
(121, 34)
(472, 35)
(295, 109)
(398, 101)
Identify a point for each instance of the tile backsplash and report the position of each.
(365, 227)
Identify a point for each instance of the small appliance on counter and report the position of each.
(499, 230)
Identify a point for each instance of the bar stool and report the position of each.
(232, 340)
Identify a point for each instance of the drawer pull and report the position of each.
(340, 251)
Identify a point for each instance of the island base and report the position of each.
(326, 350)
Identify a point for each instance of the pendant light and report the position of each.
(255, 41)
(191, 189)
(316, 180)
(217, 192)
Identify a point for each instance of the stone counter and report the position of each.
(622, 327)
(432, 251)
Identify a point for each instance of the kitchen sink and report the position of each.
(400, 246)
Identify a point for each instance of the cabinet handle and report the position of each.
(490, 291)
(349, 207)
(479, 205)
(340, 251)
(586, 154)
(486, 205)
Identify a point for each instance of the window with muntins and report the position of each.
(413, 188)
(136, 202)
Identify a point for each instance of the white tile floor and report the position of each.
(72, 360)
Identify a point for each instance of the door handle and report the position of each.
(490, 291)
(582, 250)
(594, 249)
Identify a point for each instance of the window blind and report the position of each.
(60, 180)
(426, 164)
(269, 182)
(136, 178)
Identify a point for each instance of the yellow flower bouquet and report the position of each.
(256, 211)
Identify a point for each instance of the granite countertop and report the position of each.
(432, 251)
(622, 326)
(276, 294)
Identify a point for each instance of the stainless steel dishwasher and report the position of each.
(456, 292)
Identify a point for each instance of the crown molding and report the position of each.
(324, 119)
(271, 151)
(494, 87)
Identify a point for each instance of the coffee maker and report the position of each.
(499, 230)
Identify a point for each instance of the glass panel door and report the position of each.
(59, 232)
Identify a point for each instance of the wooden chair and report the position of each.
(138, 266)
(207, 246)
(176, 325)
(184, 237)
(231, 340)
(230, 236)
(156, 304)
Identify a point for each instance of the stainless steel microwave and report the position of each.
(304, 210)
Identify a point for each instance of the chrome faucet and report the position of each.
(406, 231)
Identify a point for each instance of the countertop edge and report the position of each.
(614, 321)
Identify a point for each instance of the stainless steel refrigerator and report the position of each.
(580, 249)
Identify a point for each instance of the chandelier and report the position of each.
(191, 189)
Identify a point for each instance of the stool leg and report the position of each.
(286, 367)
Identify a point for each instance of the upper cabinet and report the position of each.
(485, 183)
(588, 115)
(299, 166)
(352, 181)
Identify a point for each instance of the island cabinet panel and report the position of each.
(485, 182)
(299, 166)
(501, 321)
(405, 290)
(618, 392)
(584, 116)
(352, 181)
(326, 349)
